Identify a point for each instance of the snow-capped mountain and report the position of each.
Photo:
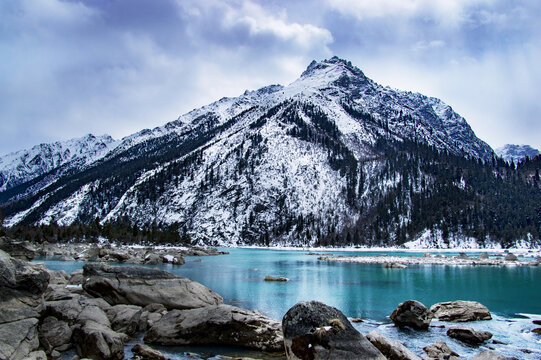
(25, 165)
(281, 164)
(516, 153)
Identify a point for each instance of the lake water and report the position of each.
(512, 293)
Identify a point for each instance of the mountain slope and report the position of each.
(292, 164)
(516, 153)
(25, 165)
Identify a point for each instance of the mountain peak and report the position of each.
(335, 62)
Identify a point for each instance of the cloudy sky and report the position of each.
(71, 67)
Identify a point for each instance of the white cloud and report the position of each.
(447, 12)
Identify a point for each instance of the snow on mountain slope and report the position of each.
(283, 164)
(24, 165)
(516, 153)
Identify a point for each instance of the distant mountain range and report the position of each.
(308, 163)
(516, 153)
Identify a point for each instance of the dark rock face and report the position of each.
(440, 350)
(468, 335)
(393, 350)
(460, 311)
(143, 286)
(22, 285)
(217, 325)
(313, 330)
(413, 314)
(21, 250)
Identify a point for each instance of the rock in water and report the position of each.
(273, 278)
(22, 285)
(313, 330)
(511, 257)
(468, 335)
(440, 350)
(142, 286)
(393, 350)
(491, 355)
(460, 311)
(413, 314)
(144, 352)
(217, 325)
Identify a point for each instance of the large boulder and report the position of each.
(141, 286)
(393, 350)
(440, 350)
(313, 330)
(412, 313)
(21, 250)
(22, 285)
(97, 341)
(460, 311)
(217, 325)
(468, 335)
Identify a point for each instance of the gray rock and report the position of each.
(394, 265)
(145, 352)
(66, 310)
(22, 285)
(468, 335)
(18, 338)
(21, 250)
(173, 259)
(274, 278)
(460, 311)
(393, 350)
(142, 286)
(58, 292)
(58, 277)
(491, 355)
(36, 355)
(76, 278)
(54, 335)
(313, 330)
(413, 314)
(96, 341)
(22, 276)
(483, 256)
(150, 315)
(510, 257)
(217, 325)
(124, 318)
(440, 350)
(94, 313)
(463, 256)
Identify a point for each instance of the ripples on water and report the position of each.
(371, 292)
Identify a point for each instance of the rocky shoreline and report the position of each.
(96, 311)
(508, 259)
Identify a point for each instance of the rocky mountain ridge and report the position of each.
(516, 153)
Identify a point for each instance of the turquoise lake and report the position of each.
(512, 293)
